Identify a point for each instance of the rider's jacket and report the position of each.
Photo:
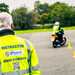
(57, 29)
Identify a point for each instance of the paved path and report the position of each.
(53, 61)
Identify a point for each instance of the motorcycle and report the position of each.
(56, 43)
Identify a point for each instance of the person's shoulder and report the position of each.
(24, 39)
(20, 38)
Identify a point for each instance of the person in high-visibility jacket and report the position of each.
(17, 55)
(58, 30)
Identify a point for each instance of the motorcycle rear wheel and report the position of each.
(64, 41)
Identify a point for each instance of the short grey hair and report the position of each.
(5, 19)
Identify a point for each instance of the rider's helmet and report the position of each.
(57, 23)
(5, 20)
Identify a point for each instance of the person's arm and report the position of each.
(33, 60)
(62, 30)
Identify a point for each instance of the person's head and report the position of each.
(5, 20)
(57, 23)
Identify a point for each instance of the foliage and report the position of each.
(4, 7)
(22, 19)
(44, 14)
(61, 12)
(42, 11)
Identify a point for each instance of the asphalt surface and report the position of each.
(53, 61)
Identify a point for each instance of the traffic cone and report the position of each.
(69, 45)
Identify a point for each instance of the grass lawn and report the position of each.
(69, 28)
(32, 31)
(41, 30)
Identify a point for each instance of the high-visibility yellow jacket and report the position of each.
(17, 56)
(55, 29)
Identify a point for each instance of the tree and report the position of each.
(4, 7)
(61, 12)
(41, 10)
(44, 13)
(21, 18)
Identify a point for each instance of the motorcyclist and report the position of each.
(58, 31)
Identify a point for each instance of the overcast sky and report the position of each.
(30, 3)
